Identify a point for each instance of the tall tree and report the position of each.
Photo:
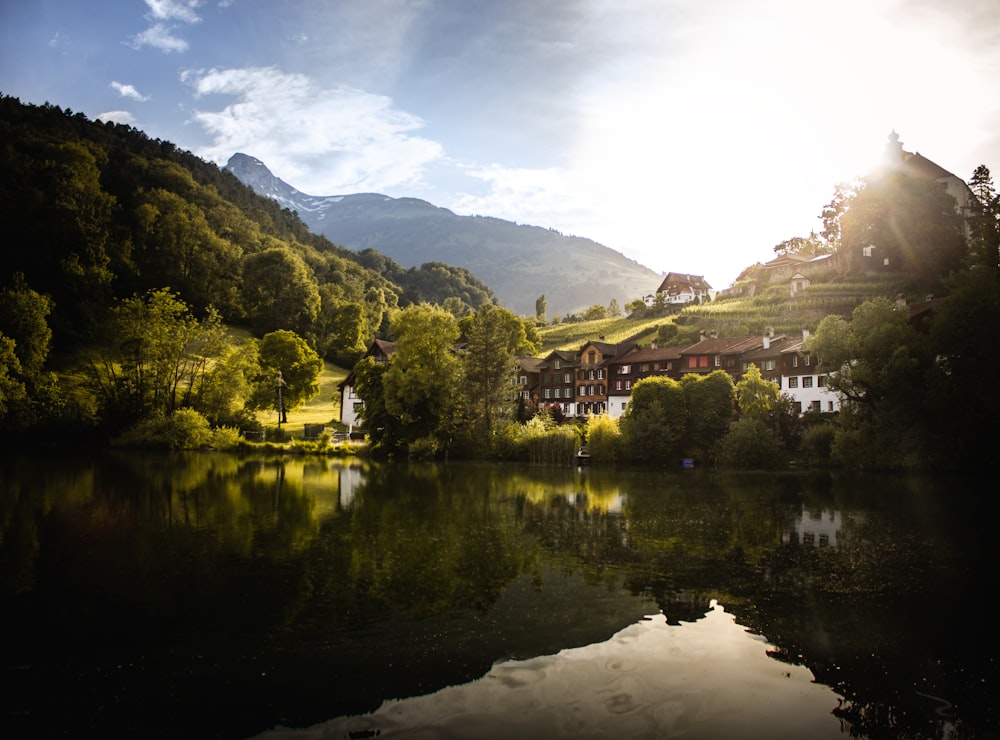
(420, 382)
(541, 308)
(494, 336)
(984, 221)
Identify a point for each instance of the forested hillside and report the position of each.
(98, 212)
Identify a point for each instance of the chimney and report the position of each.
(652, 345)
(805, 333)
(767, 341)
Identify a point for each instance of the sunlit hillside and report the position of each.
(771, 307)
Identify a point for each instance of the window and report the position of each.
(718, 361)
(625, 370)
(568, 378)
(795, 360)
(769, 364)
(692, 362)
(600, 374)
(591, 357)
(808, 360)
(618, 385)
(590, 375)
(821, 381)
(557, 365)
(793, 382)
(815, 406)
(590, 390)
(358, 406)
(746, 367)
(644, 367)
(567, 393)
(628, 385)
(583, 390)
(829, 405)
(807, 381)
(703, 361)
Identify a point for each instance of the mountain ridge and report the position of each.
(518, 262)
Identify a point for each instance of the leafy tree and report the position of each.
(420, 383)
(912, 223)
(666, 333)
(594, 313)
(158, 355)
(710, 403)
(279, 291)
(810, 246)
(964, 367)
(757, 398)
(12, 390)
(655, 419)
(878, 363)
(614, 310)
(286, 359)
(24, 318)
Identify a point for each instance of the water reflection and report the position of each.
(234, 595)
(705, 679)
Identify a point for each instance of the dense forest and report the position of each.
(99, 214)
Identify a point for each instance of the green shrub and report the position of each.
(184, 429)
(751, 445)
(604, 439)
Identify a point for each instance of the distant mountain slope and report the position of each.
(519, 263)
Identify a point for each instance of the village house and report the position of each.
(592, 375)
(557, 381)
(350, 404)
(681, 288)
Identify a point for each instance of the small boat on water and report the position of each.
(583, 456)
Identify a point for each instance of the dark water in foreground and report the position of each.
(208, 596)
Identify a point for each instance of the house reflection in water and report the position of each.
(822, 528)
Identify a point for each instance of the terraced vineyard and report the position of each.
(773, 307)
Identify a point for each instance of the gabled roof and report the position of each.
(650, 354)
(563, 355)
(675, 281)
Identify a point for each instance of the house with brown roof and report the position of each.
(679, 288)
(351, 405)
(557, 376)
(593, 375)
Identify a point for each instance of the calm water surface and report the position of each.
(204, 595)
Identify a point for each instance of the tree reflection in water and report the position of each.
(229, 596)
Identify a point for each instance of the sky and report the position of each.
(690, 135)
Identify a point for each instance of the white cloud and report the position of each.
(321, 140)
(129, 91)
(117, 116)
(159, 36)
(167, 10)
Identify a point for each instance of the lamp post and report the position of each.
(281, 404)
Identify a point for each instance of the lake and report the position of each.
(209, 595)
